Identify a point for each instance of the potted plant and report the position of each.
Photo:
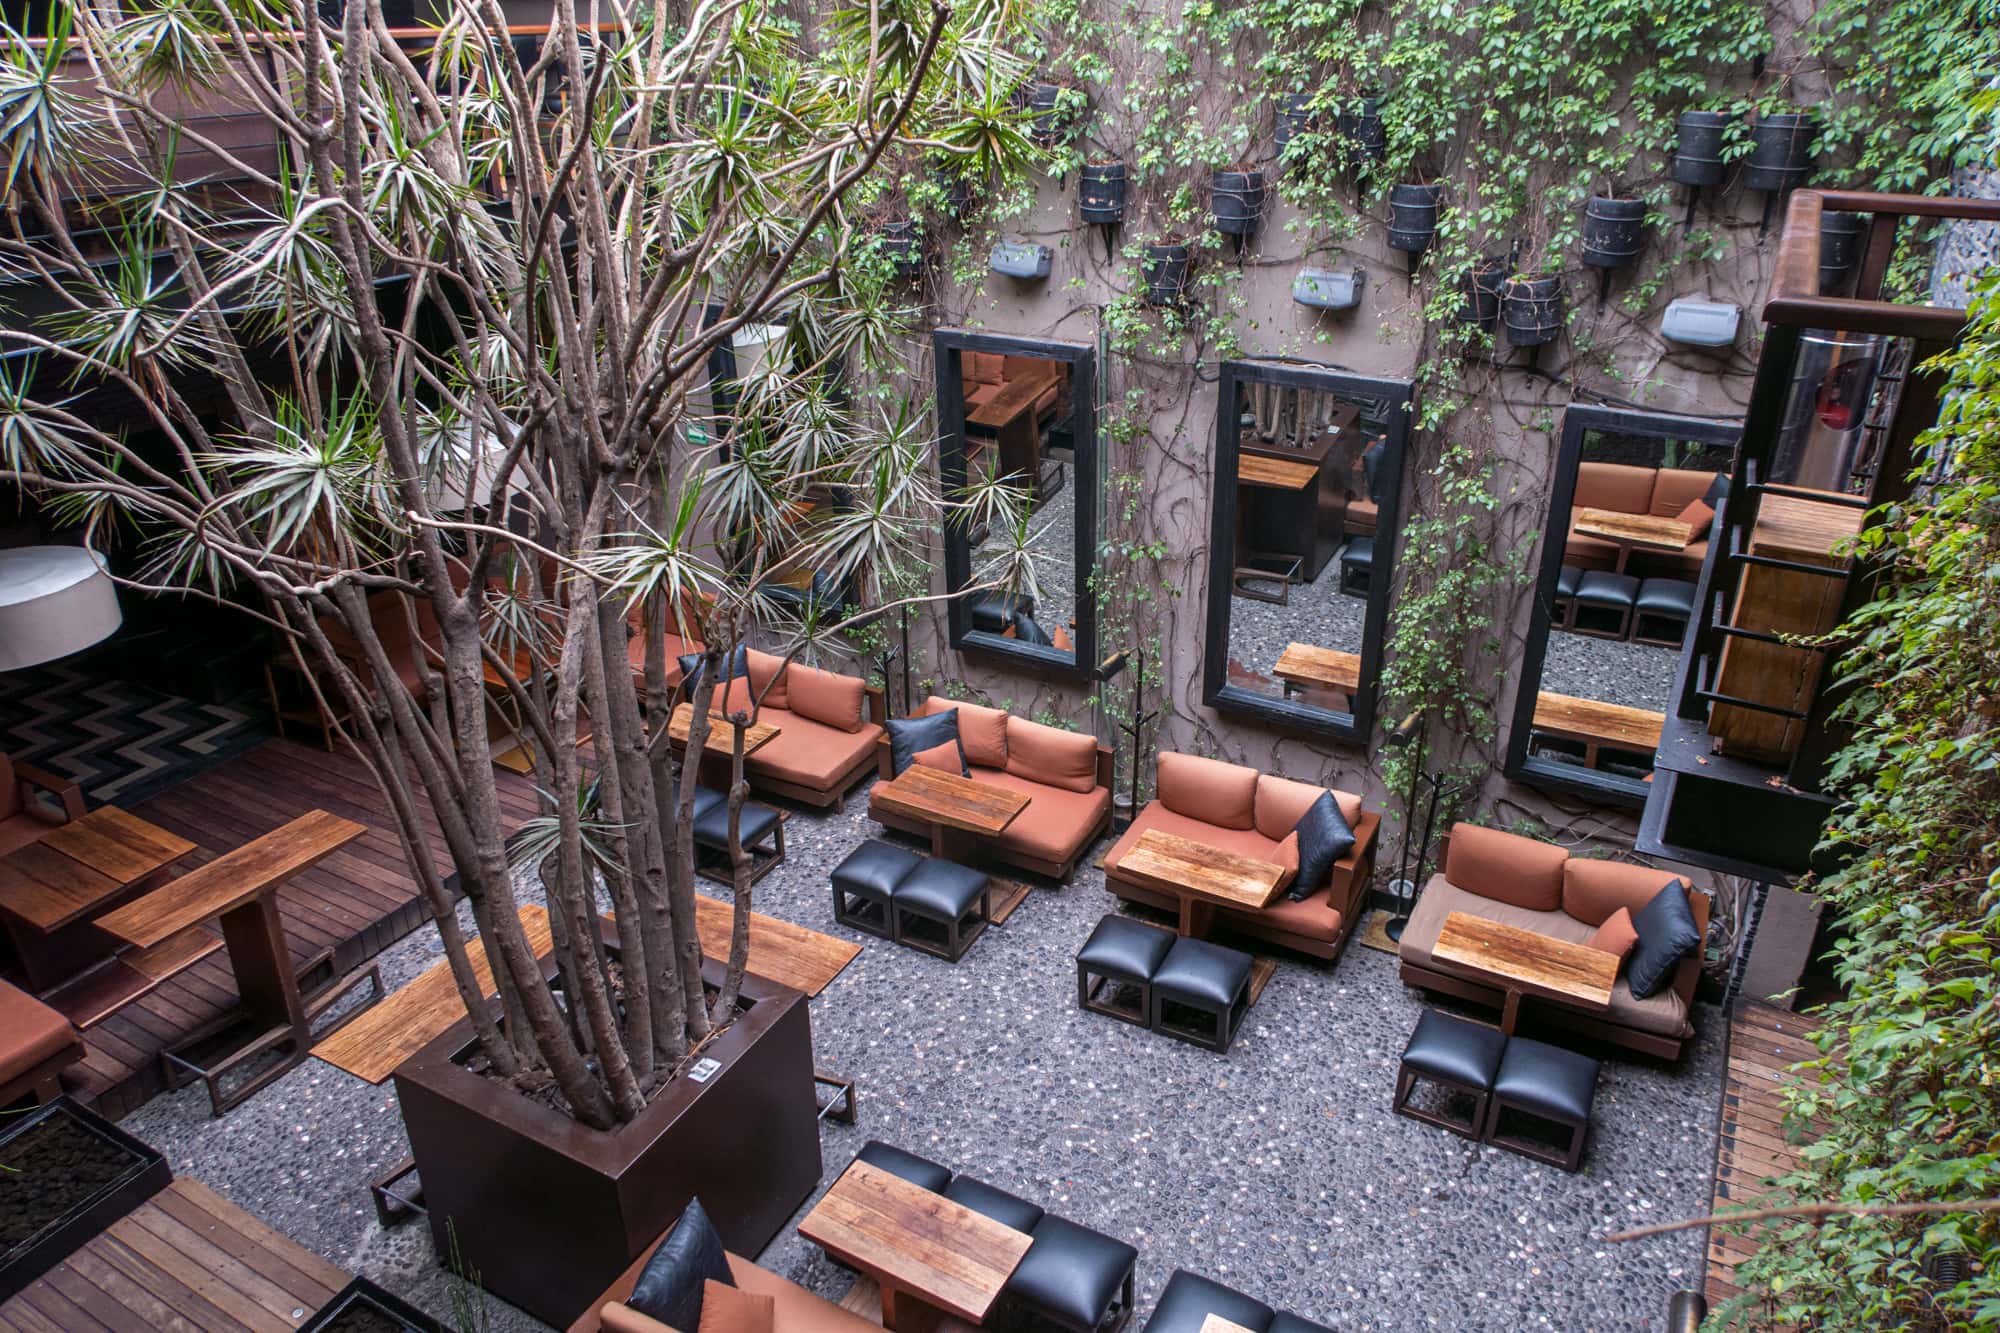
(1044, 113)
(1531, 307)
(1482, 293)
(1839, 246)
(902, 243)
(65, 1174)
(1781, 147)
(1291, 117)
(1100, 193)
(1413, 217)
(1236, 201)
(363, 1307)
(1165, 266)
(1363, 137)
(1613, 231)
(1698, 144)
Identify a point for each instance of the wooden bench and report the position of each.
(1596, 725)
(1308, 666)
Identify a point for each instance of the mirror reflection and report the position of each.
(1020, 414)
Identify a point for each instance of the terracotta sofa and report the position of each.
(24, 818)
(36, 1045)
(1068, 783)
(795, 1310)
(986, 373)
(1660, 491)
(1531, 884)
(1240, 810)
(827, 730)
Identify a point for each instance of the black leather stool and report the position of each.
(1074, 1278)
(1121, 950)
(1285, 1322)
(864, 883)
(1207, 978)
(1357, 566)
(1604, 604)
(1549, 1083)
(1190, 1299)
(1661, 612)
(1456, 1054)
(1008, 1210)
(919, 1171)
(941, 898)
(1565, 602)
(754, 825)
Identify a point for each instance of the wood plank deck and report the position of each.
(1753, 1146)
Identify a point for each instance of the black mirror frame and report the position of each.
(948, 347)
(1217, 693)
(1578, 421)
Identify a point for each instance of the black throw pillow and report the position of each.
(911, 736)
(1324, 837)
(1667, 934)
(1717, 492)
(1026, 630)
(669, 1286)
(1371, 467)
(734, 665)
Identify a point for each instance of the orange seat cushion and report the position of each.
(1619, 486)
(1209, 790)
(1243, 842)
(826, 696)
(1675, 488)
(985, 367)
(1057, 824)
(1617, 934)
(1066, 759)
(809, 753)
(1506, 867)
(31, 1033)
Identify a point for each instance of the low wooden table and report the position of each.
(1651, 532)
(1201, 877)
(755, 736)
(1524, 962)
(960, 811)
(1598, 724)
(1312, 667)
(1215, 1323)
(51, 888)
(1009, 417)
(932, 1256)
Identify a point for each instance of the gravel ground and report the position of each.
(1277, 1168)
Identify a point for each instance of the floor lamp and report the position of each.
(1437, 782)
(1409, 734)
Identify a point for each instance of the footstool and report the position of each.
(946, 897)
(1604, 604)
(1453, 1053)
(1213, 981)
(1074, 1278)
(754, 824)
(1549, 1083)
(864, 883)
(1661, 612)
(1357, 566)
(1121, 950)
(1190, 1299)
(919, 1171)
(1567, 580)
(1009, 1210)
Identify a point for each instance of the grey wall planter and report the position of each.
(1839, 246)
(1329, 289)
(1291, 119)
(1363, 136)
(1236, 202)
(1698, 147)
(1413, 217)
(1482, 294)
(1166, 272)
(1694, 322)
(1532, 309)
(1020, 259)
(1100, 193)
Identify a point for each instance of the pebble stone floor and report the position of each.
(1277, 1169)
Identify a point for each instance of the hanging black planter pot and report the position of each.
(1042, 126)
(1839, 246)
(1236, 202)
(1613, 231)
(1100, 194)
(1166, 271)
(1780, 153)
(957, 192)
(1698, 148)
(1291, 119)
(904, 247)
(1413, 217)
(1532, 309)
(1482, 294)
(1363, 136)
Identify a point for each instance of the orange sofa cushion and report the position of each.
(985, 367)
(1281, 803)
(982, 731)
(826, 696)
(1057, 823)
(1619, 486)
(1066, 759)
(1593, 890)
(30, 1032)
(728, 1309)
(1506, 867)
(808, 753)
(1675, 488)
(1617, 934)
(763, 666)
(1210, 790)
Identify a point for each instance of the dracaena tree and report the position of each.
(422, 380)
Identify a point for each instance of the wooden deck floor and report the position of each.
(1763, 1042)
(351, 906)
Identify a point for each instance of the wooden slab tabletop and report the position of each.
(1215, 1323)
(916, 1240)
(232, 879)
(1528, 960)
(1616, 725)
(121, 846)
(1792, 528)
(1633, 529)
(47, 890)
(1180, 865)
(755, 736)
(1281, 473)
(1014, 397)
(1309, 664)
(780, 951)
(946, 798)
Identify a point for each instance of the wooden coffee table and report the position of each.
(50, 888)
(1525, 962)
(1595, 724)
(1651, 532)
(930, 1255)
(1215, 1323)
(755, 736)
(961, 812)
(1201, 877)
(1312, 667)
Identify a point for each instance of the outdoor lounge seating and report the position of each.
(1357, 566)
(1121, 952)
(1551, 1084)
(32, 802)
(827, 727)
(1190, 1299)
(1603, 604)
(36, 1045)
(1564, 606)
(1627, 489)
(929, 904)
(794, 1309)
(1457, 1055)
(756, 825)
(1237, 809)
(1210, 982)
(1065, 774)
(1539, 887)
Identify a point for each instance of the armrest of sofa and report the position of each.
(875, 704)
(1347, 882)
(620, 1318)
(1688, 975)
(65, 791)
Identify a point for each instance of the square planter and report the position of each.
(363, 1307)
(546, 1212)
(65, 1175)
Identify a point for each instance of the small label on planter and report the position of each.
(704, 1069)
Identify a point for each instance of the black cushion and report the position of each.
(1071, 1273)
(1204, 973)
(1567, 580)
(1189, 1300)
(1717, 492)
(1360, 553)
(711, 825)
(874, 869)
(941, 888)
(1666, 597)
(1667, 934)
(1455, 1049)
(669, 1286)
(1002, 1207)
(1371, 469)
(995, 611)
(911, 736)
(1029, 630)
(1291, 1323)
(919, 1171)
(1124, 948)
(1324, 837)
(1547, 1080)
(733, 665)
(1601, 588)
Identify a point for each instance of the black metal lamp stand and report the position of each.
(1138, 722)
(1438, 782)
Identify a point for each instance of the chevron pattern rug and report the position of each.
(121, 742)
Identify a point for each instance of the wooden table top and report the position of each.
(1180, 865)
(1652, 530)
(232, 879)
(791, 955)
(1529, 961)
(1280, 473)
(755, 736)
(75, 867)
(1791, 528)
(1589, 720)
(1215, 1323)
(1015, 397)
(916, 1240)
(946, 798)
(1309, 664)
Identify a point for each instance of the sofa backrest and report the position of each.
(1050, 755)
(1506, 867)
(1593, 890)
(1209, 790)
(1675, 488)
(1282, 802)
(826, 696)
(763, 666)
(1619, 486)
(982, 731)
(985, 367)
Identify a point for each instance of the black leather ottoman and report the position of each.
(864, 883)
(919, 1171)
(756, 825)
(1121, 950)
(1604, 604)
(1074, 1277)
(1565, 602)
(1551, 1084)
(1456, 1054)
(1661, 611)
(1357, 566)
(941, 907)
(1283, 1322)
(1189, 1300)
(1006, 1209)
(1208, 979)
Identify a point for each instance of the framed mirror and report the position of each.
(1022, 409)
(1302, 539)
(1630, 511)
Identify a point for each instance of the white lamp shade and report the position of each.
(54, 601)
